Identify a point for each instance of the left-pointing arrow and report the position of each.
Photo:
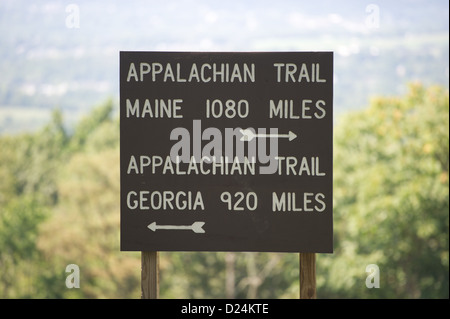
(196, 227)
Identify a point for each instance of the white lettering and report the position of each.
(165, 200)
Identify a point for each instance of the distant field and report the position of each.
(46, 64)
(18, 119)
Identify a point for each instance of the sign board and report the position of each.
(226, 151)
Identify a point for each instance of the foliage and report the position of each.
(19, 222)
(229, 275)
(391, 199)
(59, 205)
(84, 227)
(28, 167)
(60, 193)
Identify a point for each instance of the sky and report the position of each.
(65, 53)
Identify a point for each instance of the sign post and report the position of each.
(149, 275)
(226, 151)
(307, 276)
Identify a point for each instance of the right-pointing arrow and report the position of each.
(248, 135)
(196, 227)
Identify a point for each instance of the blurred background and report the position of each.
(59, 144)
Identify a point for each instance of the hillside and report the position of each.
(58, 55)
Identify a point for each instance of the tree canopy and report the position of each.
(391, 198)
(59, 205)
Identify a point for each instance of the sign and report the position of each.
(226, 151)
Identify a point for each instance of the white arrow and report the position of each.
(196, 227)
(248, 135)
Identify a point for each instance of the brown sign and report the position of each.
(226, 151)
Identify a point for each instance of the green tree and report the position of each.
(84, 226)
(19, 258)
(28, 167)
(391, 199)
(90, 124)
(228, 275)
(59, 205)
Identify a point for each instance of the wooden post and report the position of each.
(308, 276)
(149, 275)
